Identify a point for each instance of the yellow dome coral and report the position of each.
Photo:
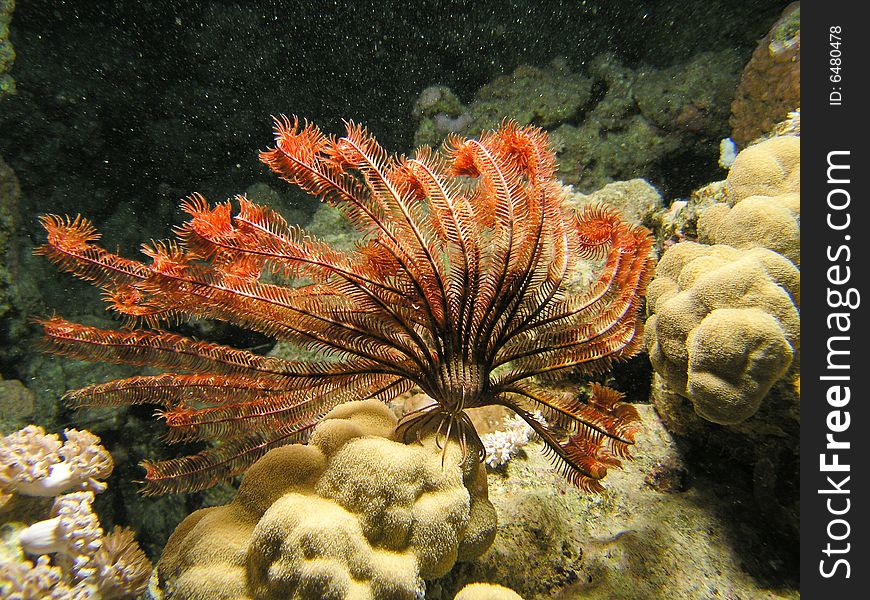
(724, 326)
(486, 591)
(771, 222)
(764, 205)
(770, 168)
(352, 515)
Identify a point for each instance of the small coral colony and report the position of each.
(463, 286)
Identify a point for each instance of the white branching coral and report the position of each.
(84, 564)
(502, 445)
(26, 456)
(106, 567)
(86, 459)
(35, 463)
(25, 580)
(73, 531)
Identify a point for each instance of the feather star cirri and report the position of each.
(459, 287)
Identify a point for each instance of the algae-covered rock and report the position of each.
(296, 207)
(438, 112)
(532, 95)
(18, 298)
(435, 100)
(638, 201)
(351, 515)
(609, 123)
(10, 195)
(593, 154)
(7, 53)
(542, 96)
(651, 534)
(693, 96)
(16, 405)
(770, 85)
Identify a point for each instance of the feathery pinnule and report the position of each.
(459, 287)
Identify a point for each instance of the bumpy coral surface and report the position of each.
(770, 168)
(768, 172)
(352, 514)
(486, 591)
(763, 201)
(771, 222)
(724, 325)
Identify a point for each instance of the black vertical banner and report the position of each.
(835, 260)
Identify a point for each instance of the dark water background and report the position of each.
(143, 102)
